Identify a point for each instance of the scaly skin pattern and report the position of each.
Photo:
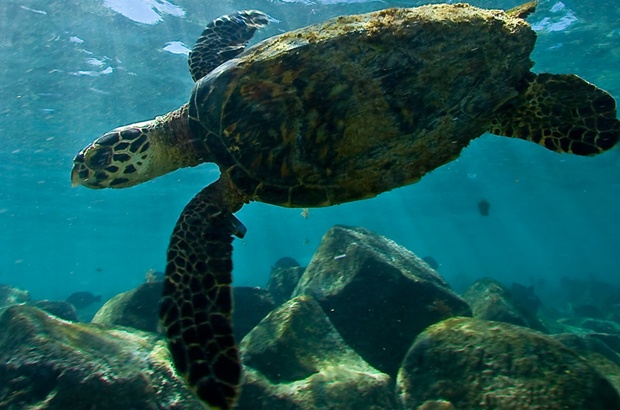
(561, 112)
(132, 154)
(197, 300)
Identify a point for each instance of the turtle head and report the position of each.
(136, 153)
(118, 159)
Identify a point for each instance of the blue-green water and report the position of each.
(74, 71)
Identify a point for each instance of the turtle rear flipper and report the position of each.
(561, 112)
(196, 305)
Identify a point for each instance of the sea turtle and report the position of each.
(335, 112)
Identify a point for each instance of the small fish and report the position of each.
(483, 207)
(80, 300)
(305, 213)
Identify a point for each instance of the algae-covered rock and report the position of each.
(282, 282)
(490, 300)
(251, 306)
(613, 341)
(525, 297)
(598, 354)
(137, 308)
(378, 294)
(11, 296)
(436, 405)
(295, 359)
(594, 325)
(50, 364)
(58, 308)
(479, 364)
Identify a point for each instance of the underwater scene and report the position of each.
(296, 204)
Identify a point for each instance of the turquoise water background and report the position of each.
(71, 72)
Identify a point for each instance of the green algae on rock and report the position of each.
(295, 359)
(251, 306)
(137, 308)
(597, 352)
(362, 279)
(479, 364)
(283, 281)
(51, 364)
(59, 308)
(11, 296)
(490, 300)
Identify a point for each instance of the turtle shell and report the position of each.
(359, 105)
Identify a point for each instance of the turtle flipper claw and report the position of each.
(239, 229)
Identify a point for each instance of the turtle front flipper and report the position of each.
(197, 300)
(224, 38)
(561, 112)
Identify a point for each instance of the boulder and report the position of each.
(613, 341)
(436, 405)
(282, 282)
(11, 296)
(479, 364)
(50, 364)
(378, 295)
(251, 306)
(526, 297)
(593, 325)
(58, 308)
(295, 359)
(137, 308)
(490, 300)
(598, 354)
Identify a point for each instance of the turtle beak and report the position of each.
(78, 164)
(74, 179)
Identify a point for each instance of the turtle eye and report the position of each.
(98, 157)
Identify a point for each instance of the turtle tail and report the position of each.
(196, 306)
(561, 112)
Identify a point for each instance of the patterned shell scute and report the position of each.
(360, 104)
